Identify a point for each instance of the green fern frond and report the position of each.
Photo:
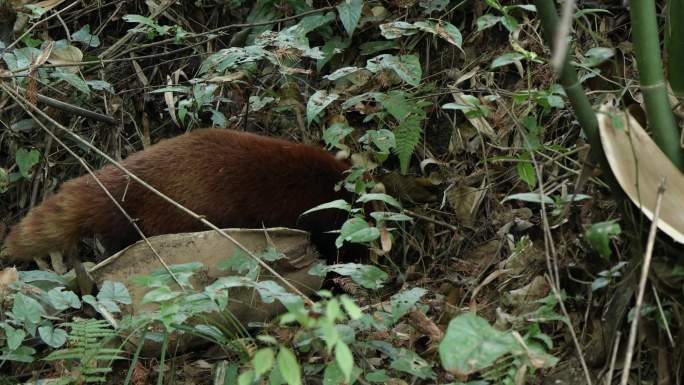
(407, 136)
(87, 339)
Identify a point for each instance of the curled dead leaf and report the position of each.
(639, 166)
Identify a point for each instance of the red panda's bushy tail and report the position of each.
(55, 225)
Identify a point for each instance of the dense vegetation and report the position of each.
(506, 251)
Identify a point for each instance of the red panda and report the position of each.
(232, 178)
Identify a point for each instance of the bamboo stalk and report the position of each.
(647, 52)
(674, 46)
(578, 99)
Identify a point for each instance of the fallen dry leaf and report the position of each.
(639, 165)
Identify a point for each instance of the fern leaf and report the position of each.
(407, 136)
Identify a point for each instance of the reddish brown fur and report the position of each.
(234, 179)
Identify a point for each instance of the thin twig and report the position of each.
(613, 358)
(662, 317)
(428, 219)
(76, 110)
(645, 267)
(561, 39)
(169, 200)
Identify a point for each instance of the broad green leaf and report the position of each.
(73, 79)
(289, 367)
(159, 294)
(21, 354)
(487, 21)
(41, 275)
(443, 29)
(257, 103)
(368, 276)
(139, 19)
(433, 5)
(271, 291)
(26, 309)
(379, 197)
(100, 85)
(350, 14)
(527, 173)
(403, 302)
(356, 230)
(344, 359)
(396, 104)
(352, 309)
(529, 197)
(575, 198)
(342, 72)
(377, 376)
(211, 331)
(397, 29)
(241, 263)
(246, 378)
(14, 336)
(335, 134)
(408, 361)
(331, 48)
(218, 119)
(407, 67)
(597, 55)
(83, 36)
(52, 336)
(383, 139)
(340, 204)
(317, 103)
(509, 22)
(26, 160)
(62, 300)
(506, 59)
(390, 216)
(19, 60)
(599, 234)
(263, 361)
(373, 47)
(470, 344)
(114, 291)
(599, 283)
